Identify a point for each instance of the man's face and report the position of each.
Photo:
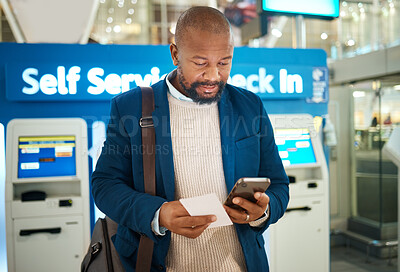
(204, 62)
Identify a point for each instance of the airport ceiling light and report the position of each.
(51, 21)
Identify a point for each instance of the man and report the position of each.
(208, 135)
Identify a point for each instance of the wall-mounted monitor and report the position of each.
(295, 146)
(323, 9)
(46, 156)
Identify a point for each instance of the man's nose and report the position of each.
(212, 74)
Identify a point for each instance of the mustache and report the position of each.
(208, 83)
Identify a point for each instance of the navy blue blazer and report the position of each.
(248, 150)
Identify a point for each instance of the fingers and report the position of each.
(175, 218)
(192, 226)
(262, 199)
(194, 232)
(169, 211)
(254, 210)
(190, 221)
(237, 216)
(262, 202)
(251, 208)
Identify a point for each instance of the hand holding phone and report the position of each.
(246, 188)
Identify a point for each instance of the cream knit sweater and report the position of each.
(196, 145)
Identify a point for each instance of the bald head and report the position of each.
(203, 19)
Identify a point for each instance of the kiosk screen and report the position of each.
(46, 156)
(294, 146)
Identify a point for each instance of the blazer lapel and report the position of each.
(162, 127)
(227, 139)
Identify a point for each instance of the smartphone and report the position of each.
(246, 188)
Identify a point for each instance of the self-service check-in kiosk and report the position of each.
(47, 194)
(300, 239)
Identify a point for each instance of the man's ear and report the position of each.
(174, 53)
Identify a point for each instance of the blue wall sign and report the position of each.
(278, 74)
(60, 82)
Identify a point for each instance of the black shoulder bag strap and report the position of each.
(145, 252)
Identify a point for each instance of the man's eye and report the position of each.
(199, 64)
(223, 63)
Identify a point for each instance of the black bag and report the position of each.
(102, 255)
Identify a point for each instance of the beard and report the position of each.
(194, 95)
